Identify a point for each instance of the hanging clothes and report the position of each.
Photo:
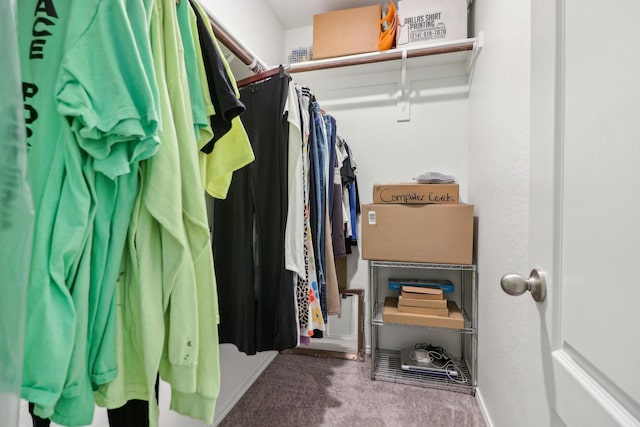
(351, 199)
(321, 182)
(86, 119)
(333, 304)
(176, 235)
(294, 240)
(256, 295)
(335, 193)
(299, 254)
(317, 154)
(187, 19)
(149, 297)
(226, 105)
(121, 149)
(229, 150)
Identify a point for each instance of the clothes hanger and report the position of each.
(280, 70)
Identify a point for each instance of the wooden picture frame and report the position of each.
(358, 355)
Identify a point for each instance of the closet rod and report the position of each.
(388, 55)
(238, 49)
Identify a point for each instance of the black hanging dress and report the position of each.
(256, 292)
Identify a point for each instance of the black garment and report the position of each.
(223, 96)
(335, 196)
(36, 420)
(134, 413)
(255, 291)
(332, 129)
(347, 172)
(337, 223)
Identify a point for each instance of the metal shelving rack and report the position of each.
(385, 364)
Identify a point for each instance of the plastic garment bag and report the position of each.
(16, 219)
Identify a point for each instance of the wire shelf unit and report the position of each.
(385, 363)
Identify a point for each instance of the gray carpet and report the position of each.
(298, 390)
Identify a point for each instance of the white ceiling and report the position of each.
(299, 13)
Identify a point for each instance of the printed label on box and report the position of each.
(425, 27)
(372, 217)
(421, 22)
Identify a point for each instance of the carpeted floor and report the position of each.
(298, 390)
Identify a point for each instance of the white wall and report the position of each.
(498, 185)
(252, 23)
(296, 38)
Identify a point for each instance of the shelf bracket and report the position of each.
(404, 107)
(478, 44)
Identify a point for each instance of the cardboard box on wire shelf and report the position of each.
(412, 193)
(426, 303)
(441, 234)
(454, 320)
(424, 22)
(346, 32)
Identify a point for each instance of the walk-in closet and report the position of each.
(190, 189)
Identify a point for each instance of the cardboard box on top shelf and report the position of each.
(346, 32)
(424, 22)
(418, 233)
(412, 193)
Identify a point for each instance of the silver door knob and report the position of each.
(515, 284)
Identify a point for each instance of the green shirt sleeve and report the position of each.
(111, 102)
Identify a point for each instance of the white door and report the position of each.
(585, 206)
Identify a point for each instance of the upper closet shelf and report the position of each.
(462, 52)
(396, 75)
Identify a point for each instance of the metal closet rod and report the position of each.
(368, 58)
(254, 63)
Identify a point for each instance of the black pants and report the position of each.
(134, 413)
(255, 291)
(36, 420)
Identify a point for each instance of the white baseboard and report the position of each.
(239, 372)
(483, 408)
